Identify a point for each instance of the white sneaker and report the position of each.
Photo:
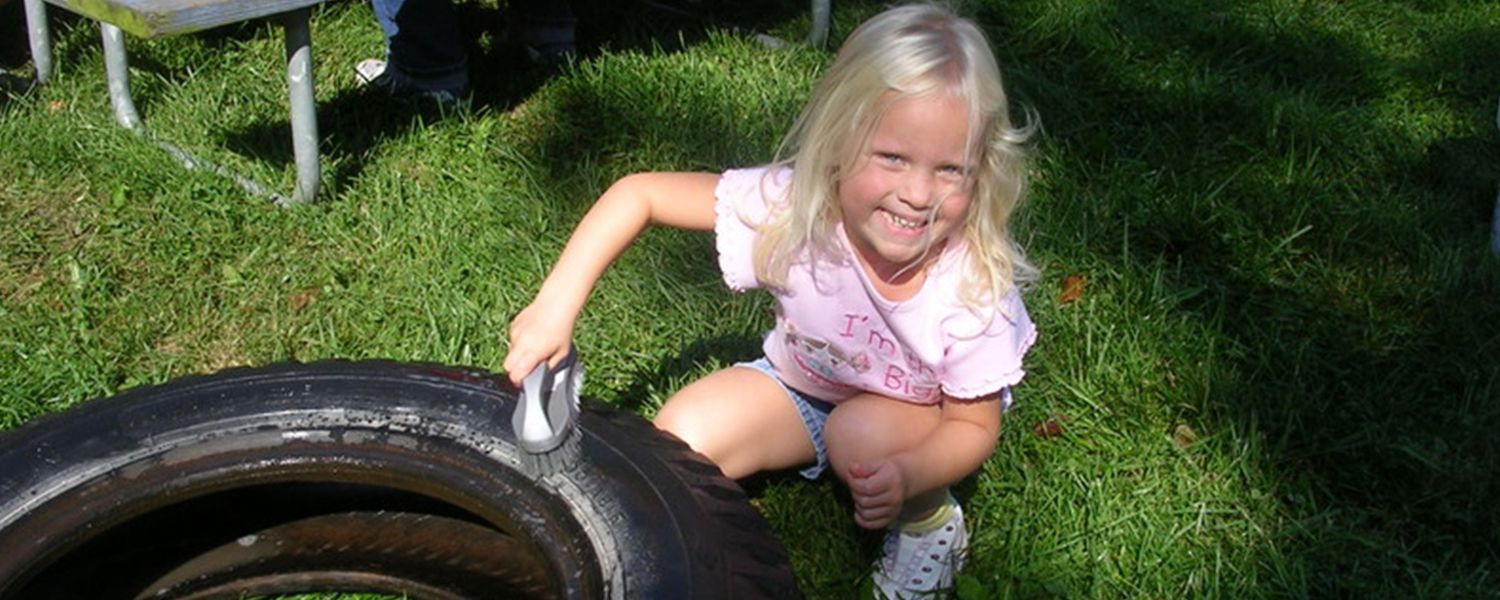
(921, 565)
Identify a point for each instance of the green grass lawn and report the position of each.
(1280, 378)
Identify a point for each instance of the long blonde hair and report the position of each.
(903, 52)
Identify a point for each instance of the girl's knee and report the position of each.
(740, 419)
(879, 420)
(700, 418)
(682, 422)
(869, 429)
(707, 434)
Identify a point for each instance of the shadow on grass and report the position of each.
(14, 51)
(501, 74)
(357, 120)
(659, 377)
(1344, 257)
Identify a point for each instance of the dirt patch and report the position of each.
(35, 228)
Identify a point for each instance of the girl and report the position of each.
(883, 237)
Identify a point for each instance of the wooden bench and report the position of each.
(157, 18)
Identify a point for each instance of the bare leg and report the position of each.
(742, 420)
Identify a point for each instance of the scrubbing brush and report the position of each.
(546, 417)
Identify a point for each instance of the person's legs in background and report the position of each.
(425, 50)
(425, 53)
(544, 28)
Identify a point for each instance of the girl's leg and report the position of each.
(926, 544)
(741, 419)
(868, 429)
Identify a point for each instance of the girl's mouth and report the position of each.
(902, 222)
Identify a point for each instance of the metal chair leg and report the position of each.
(40, 35)
(299, 79)
(117, 69)
(299, 82)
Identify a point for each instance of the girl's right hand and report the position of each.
(542, 332)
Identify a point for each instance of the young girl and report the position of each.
(884, 239)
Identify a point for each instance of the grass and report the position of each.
(1281, 378)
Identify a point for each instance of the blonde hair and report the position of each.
(903, 52)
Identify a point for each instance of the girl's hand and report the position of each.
(541, 332)
(879, 493)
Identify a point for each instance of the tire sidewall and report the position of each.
(626, 520)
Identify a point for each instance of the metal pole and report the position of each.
(299, 82)
(40, 35)
(821, 15)
(117, 68)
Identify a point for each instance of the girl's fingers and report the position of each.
(521, 361)
(873, 521)
(876, 511)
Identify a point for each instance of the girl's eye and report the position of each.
(888, 158)
(951, 171)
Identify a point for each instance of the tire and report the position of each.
(372, 477)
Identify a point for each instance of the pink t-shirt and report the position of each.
(835, 336)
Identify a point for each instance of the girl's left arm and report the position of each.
(965, 437)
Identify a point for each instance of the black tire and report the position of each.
(363, 476)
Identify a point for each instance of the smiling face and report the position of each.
(909, 188)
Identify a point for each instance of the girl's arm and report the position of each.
(963, 439)
(543, 330)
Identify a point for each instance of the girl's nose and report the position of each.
(918, 189)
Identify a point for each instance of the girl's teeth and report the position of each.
(902, 223)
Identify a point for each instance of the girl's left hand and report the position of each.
(879, 493)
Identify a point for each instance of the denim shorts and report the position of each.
(814, 414)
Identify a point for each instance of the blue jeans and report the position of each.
(542, 23)
(424, 43)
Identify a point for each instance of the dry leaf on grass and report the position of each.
(1072, 289)
(1184, 436)
(1050, 427)
(302, 299)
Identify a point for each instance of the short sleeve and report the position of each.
(742, 200)
(982, 366)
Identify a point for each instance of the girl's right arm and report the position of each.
(543, 330)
